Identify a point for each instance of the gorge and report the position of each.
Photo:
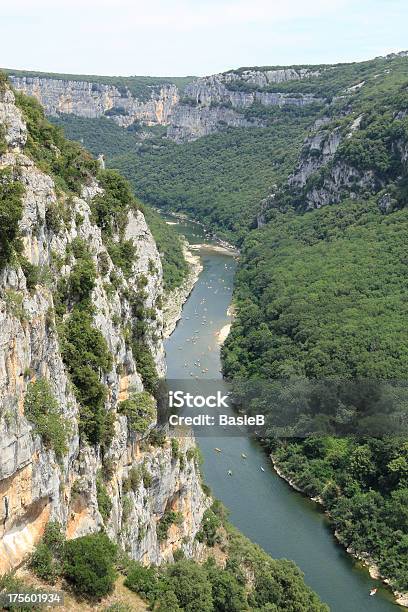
(304, 170)
(85, 472)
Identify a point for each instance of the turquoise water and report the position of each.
(262, 505)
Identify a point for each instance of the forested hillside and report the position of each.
(218, 179)
(321, 294)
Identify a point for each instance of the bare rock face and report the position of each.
(192, 122)
(213, 102)
(265, 77)
(92, 100)
(219, 88)
(321, 176)
(11, 120)
(35, 485)
(318, 149)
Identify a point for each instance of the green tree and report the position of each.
(89, 565)
(11, 211)
(190, 583)
(41, 407)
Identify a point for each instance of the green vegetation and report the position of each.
(60, 214)
(41, 407)
(110, 209)
(31, 273)
(85, 354)
(48, 555)
(364, 485)
(89, 565)
(134, 480)
(169, 518)
(169, 245)
(81, 281)
(101, 135)
(9, 583)
(110, 212)
(185, 585)
(14, 301)
(84, 349)
(123, 255)
(333, 80)
(103, 498)
(146, 477)
(137, 475)
(321, 295)
(3, 80)
(140, 410)
(3, 142)
(218, 179)
(11, 212)
(68, 163)
(145, 365)
(309, 303)
(209, 528)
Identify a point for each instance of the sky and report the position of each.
(194, 37)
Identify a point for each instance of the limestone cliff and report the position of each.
(93, 99)
(243, 88)
(324, 176)
(205, 106)
(35, 484)
(351, 156)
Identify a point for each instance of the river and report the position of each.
(263, 506)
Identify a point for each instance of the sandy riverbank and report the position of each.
(216, 248)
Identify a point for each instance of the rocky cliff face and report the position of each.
(323, 178)
(212, 103)
(93, 100)
(191, 122)
(35, 484)
(336, 161)
(221, 88)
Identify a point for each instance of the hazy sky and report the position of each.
(180, 37)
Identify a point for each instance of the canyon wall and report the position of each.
(206, 105)
(35, 484)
